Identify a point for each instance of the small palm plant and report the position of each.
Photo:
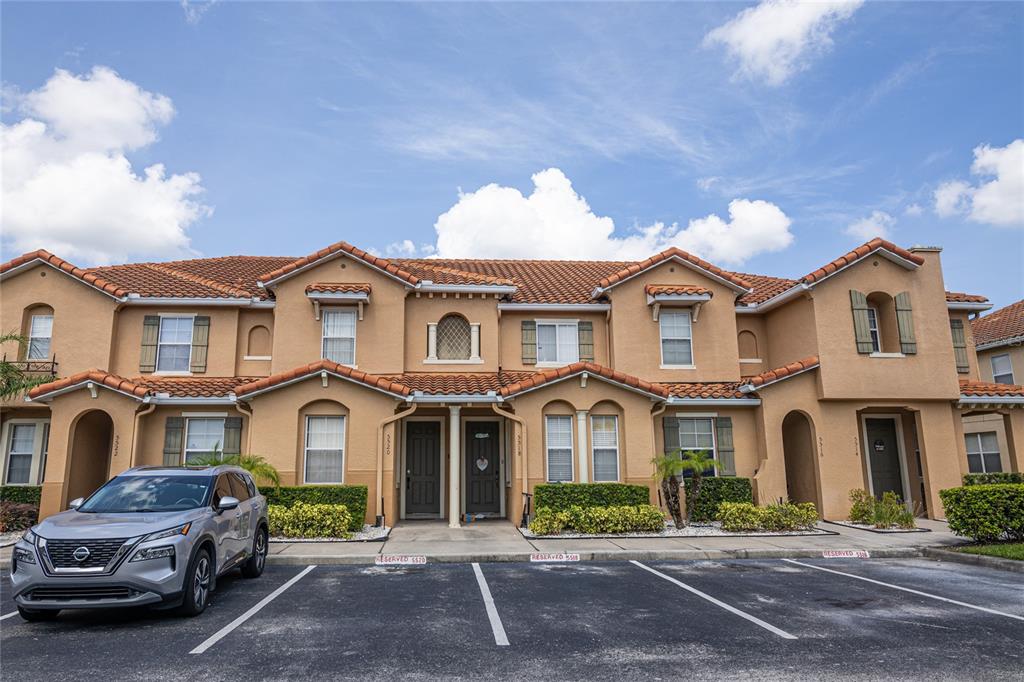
(260, 468)
(667, 469)
(13, 380)
(696, 462)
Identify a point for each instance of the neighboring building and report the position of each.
(999, 342)
(454, 386)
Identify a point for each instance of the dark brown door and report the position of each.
(483, 467)
(423, 468)
(884, 454)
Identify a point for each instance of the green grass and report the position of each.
(1008, 550)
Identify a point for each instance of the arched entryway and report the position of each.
(798, 448)
(90, 453)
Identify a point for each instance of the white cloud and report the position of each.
(556, 222)
(997, 201)
(913, 210)
(408, 249)
(68, 186)
(777, 38)
(878, 224)
(195, 9)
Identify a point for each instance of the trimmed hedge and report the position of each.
(643, 518)
(352, 496)
(25, 494)
(15, 516)
(561, 496)
(713, 491)
(302, 520)
(999, 477)
(738, 517)
(986, 513)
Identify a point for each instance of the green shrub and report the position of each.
(713, 491)
(27, 494)
(986, 513)
(15, 516)
(560, 496)
(738, 517)
(302, 520)
(996, 477)
(643, 518)
(888, 512)
(352, 496)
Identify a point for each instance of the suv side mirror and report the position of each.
(227, 502)
(76, 503)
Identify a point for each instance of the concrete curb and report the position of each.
(597, 555)
(1011, 565)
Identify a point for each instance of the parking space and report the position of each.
(757, 618)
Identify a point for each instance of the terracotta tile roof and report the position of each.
(957, 297)
(719, 390)
(676, 290)
(999, 325)
(551, 375)
(374, 381)
(983, 389)
(237, 271)
(338, 288)
(764, 287)
(858, 253)
(673, 252)
(341, 247)
(439, 272)
(458, 384)
(90, 277)
(192, 387)
(96, 376)
(782, 372)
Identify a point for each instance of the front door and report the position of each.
(884, 455)
(483, 468)
(423, 468)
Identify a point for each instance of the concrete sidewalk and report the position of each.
(487, 541)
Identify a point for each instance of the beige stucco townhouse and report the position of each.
(451, 387)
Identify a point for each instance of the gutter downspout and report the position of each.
(378, 503)
(135, 432)
(522, 424)
(248, 427)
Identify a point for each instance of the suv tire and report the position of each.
(197, 584)
(253, 568)
(37, 616)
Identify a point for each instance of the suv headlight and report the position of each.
(23, 556)
(161, 552)
(29, 537)
(169, 533)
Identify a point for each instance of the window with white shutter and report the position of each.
(558, 435)
(604, 444)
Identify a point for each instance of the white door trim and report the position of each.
(902, 455)
(401, 479)
(501, 459)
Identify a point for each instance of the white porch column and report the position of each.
(581, 439)
(454, 466)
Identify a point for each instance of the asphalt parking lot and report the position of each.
(764, 619)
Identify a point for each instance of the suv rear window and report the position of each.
(148, 494)
(238, 487)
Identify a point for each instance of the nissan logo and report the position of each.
(81, 554)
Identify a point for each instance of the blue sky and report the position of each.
(282, 128)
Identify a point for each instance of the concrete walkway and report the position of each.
(501, 541)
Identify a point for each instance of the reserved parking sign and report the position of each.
(845, 554)
(399, 559)
(553, 557)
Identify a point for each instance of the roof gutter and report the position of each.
(738, 402)
(991, 400)
(775, 301)
(434, 398)
(970, 306)
(136, 299)
(430, 287)
(1011, 341)
(555, 307)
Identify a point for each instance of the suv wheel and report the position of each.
(197, 583)
(253, 568)
(37, 616)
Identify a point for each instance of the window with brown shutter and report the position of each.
(963, 365)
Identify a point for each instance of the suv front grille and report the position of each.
(100, 552)
(94, 593)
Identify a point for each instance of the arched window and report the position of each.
(748, 345)
(454, 338)
(259, 342)
(882, 323)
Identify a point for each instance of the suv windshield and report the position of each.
(149, 494)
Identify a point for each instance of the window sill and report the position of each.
(256, 357)
(678, 366)
(439, 361)
(887, 355)
(159, 373)
(751, 361)
(555, 364)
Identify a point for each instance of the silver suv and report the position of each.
(152, 536)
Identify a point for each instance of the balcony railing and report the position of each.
(48, 367)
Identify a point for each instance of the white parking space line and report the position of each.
(500, 638)
(226, 630)
(907, 589)
(731, 609)
(8, 615)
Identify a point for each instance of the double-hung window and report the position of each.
(20, 448)
(339, 336)
(876, 340)
(558, 343)
(1002, 369)
(698, 434)
(204, 437)
(676, 339)
(558, 433)
(174, 344)
(40, 334)
(983, 452)
(604, 444)
(325, 449)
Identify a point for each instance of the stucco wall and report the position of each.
(1016, 354)
(423, 310)
(221, 351)
(511, 340)
(792, 334)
